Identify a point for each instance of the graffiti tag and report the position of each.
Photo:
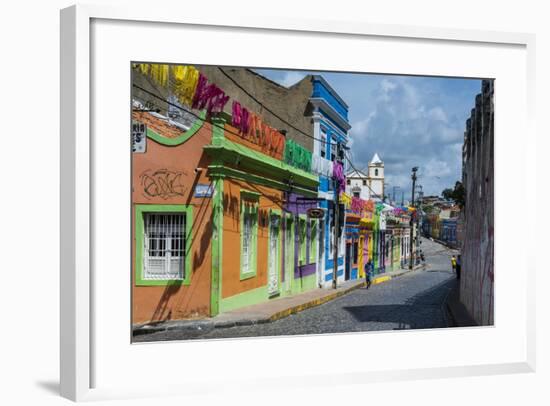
(162, 183)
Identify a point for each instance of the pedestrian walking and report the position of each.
(453, 263)
(458, 267)
(369, 268)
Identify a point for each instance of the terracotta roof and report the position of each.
(158, 125)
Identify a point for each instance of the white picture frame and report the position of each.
(78, 285)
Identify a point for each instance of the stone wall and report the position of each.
(477, 216)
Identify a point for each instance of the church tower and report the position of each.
(376, 177)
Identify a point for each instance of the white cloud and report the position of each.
(291, 77)
(437, 113)
(405, 127)
(387, 85)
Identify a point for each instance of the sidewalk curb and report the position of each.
(313, 303)
(384, 278)
(209, 324)
(194, 325)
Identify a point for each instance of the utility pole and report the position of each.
(418, 219)
(411, 256)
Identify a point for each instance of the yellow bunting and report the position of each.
(345, 199)
(185, 83)
(159, 73)
(143, 68)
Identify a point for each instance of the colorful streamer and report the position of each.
(185, 83)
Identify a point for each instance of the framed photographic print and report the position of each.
(241, 200)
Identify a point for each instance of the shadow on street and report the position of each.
(417, 312)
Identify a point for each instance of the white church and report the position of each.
(369, 185)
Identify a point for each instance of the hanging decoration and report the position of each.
(338, 173)
(239, 118)
(369, 205)
(297, 156)
(252, 128)
(360, 206)
(158, 72)
(357, 204)
(185, 83)
(190, 87)
(208, 96)
(345, 199)
(321, 166)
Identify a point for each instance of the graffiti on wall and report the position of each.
(163, 183)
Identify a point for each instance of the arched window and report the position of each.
(376, 172)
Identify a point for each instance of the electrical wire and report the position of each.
(269, 110)
(247, 93)
(184, 109)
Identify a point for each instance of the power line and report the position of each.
(269, 110)
(193, 113)
(184, 109)
(253, 98)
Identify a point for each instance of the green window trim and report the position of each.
(231, 153)
(141, 209)
(302, 239)
(180, 139)
(313, 237)
(250, 195)
(249, 205)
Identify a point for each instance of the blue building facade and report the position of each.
(330, 126)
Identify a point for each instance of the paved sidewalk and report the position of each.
(267, 311)
(256, 314)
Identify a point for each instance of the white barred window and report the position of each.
(164, 246)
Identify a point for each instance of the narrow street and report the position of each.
(412, 301)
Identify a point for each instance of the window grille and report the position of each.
(164, 246)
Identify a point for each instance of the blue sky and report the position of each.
(409, 121)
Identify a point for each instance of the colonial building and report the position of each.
(330, 128)
(214, 196)
(369, 184)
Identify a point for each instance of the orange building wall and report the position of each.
(154, 303)
(269, 199)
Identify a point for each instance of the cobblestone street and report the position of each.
(414, 300)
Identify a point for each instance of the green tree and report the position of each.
(447, 193)
(457, 194)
